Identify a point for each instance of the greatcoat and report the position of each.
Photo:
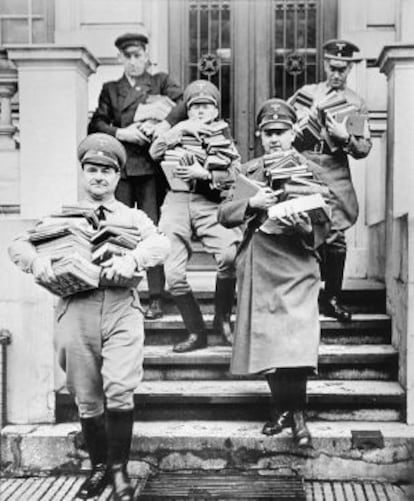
(278, 281)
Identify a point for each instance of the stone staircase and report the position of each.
(192, 414)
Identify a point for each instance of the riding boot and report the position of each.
(297, 390)
(223, 302)
(280, 415)
(93, 431)
(194, 323)
(334, 272)
(119, 432)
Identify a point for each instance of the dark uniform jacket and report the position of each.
(278, 281)
(117, 105)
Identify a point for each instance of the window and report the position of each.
(26, 21)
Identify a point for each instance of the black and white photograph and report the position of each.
(207, 250)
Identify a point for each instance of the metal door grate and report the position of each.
(297, 40)
(210, 51)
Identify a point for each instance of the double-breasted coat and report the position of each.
(118, 102)
(334, 165)
(278, 281)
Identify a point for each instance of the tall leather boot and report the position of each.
(280, 415)
(223, 303)
(194, 323)
(119, 432)
(334, 272)
(94, 434)
(297, 390)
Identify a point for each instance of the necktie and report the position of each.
(100, 213)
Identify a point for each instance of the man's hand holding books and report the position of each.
(264, 198)
(296, 221)
(338, 131)
(42, 270)
(119, 269)
(189, 168)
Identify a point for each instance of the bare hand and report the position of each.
(337, 130)
(263, 199)
(119, 268)
(42, 270)
(298, 221)
(190, 172)
(132, 134)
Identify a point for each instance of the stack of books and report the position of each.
(212, 150)
(312, 118)
(77, 250)
(282, 165)
(69, 249)
(113, 240)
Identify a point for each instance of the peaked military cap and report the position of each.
(201, 91)
(102, 149)
(127, 39)
(341, 50)
(276, 114)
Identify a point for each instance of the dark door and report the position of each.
(251, 49)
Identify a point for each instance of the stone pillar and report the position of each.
(8, 88)
(397, 62)
(53, 96)
(9, 155)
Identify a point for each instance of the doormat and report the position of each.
(206, 487)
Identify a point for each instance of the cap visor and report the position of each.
(93, 158)
(276, 126)
(201, 100)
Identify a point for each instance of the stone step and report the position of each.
(233, 399)
(339, 452)
(365, 328)
(335, 362)
(363, 295)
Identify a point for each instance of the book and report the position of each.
(73, 274)
(175, 182)
(245, 187)
(128, 239)
(129, 283)
(314, 205)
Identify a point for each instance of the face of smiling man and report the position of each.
(100, 181)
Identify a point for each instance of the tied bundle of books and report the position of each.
(155, 109)
(114, 240)
(69, 248)
(211, 149)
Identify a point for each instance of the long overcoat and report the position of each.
(118, 102)
(278, 281)
(335, 170)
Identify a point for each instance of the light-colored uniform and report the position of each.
(99, 334)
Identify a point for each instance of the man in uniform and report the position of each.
(186, 212)
(338, 61)
(141, 183)
(277, 327)
(99, 333)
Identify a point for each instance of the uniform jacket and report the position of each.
(278, 280)
(117, 105)
(335, 166)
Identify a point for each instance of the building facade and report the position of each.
(59, 52)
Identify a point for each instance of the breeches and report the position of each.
(185, 214)
(99, 338)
